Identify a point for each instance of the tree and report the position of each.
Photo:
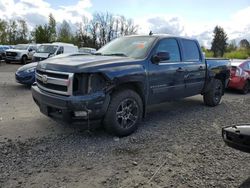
(232, 46)
(12, 32)
(40, 34)
(3, 32)
(219, 42)
(93, 27)
(52, 28)
(22, 32)
(244, 44)
(64, 34)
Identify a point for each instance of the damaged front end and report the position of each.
(86, 98)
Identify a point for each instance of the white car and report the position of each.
(53, 49)
(21, 53)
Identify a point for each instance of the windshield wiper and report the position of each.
(116, 54)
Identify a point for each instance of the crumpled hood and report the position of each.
(85, 63)
(28, 66)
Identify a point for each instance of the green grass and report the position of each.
(238, 54)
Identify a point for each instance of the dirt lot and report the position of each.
(178, 145)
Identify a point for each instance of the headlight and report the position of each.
(31, 70)
(88, 83)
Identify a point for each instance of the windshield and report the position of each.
(21, 47)
(133, 46)
(47, 49)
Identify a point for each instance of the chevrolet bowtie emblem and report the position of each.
(45, 79)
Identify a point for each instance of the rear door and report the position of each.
(166, 79)
(195, 67)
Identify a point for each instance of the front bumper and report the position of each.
(25, 78)
(64, 107)
(13, 58)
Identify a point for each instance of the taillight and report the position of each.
(238, 71)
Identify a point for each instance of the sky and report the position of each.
(192, 18)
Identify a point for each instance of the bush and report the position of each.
(239, 54)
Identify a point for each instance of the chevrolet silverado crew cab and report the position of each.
(21, 53)
(118, 82)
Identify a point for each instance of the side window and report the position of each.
(170, 46)
(60, 51)
(247, 66)
(190, 50)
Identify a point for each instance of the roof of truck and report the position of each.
(161, 36)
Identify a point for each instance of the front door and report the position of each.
(166, 79)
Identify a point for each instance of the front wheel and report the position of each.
(213, 96)
(124, 113)
(24, 60)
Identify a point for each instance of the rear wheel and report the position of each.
(24, 60)
(213, 97)
(245, 88)
(124, 113)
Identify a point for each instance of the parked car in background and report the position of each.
(26, 74)
(87, 50)
(49, 50)
(237, 137)
(2, 53)
(22, 53)
(3, 49)
(240, 76)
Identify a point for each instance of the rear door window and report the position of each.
(191, 51)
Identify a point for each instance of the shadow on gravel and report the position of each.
(156, 115)
(233, 92)
(245, 184)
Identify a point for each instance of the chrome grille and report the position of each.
(55, 82)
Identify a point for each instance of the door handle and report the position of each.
(180, 70)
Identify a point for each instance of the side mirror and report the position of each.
(30, 50)
(160, 56)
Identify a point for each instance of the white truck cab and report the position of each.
(52, 49)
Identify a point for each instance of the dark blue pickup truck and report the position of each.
(123, 78)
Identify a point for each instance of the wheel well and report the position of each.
(135, 86)
(222, 78)
(25, 56)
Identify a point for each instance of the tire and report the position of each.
(213, 97)
(245, 88)
(7, 62)
(24, 60)
(124, 113)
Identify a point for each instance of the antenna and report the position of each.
(150, 33)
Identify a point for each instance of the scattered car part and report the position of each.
(237, 137)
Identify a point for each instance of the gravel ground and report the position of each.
(178, 145)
